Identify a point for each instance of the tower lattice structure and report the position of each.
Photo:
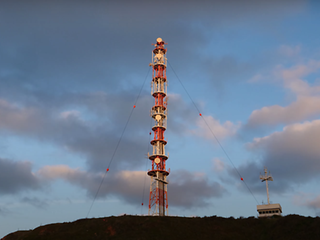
(158, 198)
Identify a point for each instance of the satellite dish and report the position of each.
(159, 40)
(157, 160)
(158, 118)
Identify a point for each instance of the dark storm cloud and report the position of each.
(16, 176)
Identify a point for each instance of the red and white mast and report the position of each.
(158, 198)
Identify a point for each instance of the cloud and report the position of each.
(292, 77)
(4, 211)
(62, 65)
(69, 128)
(185, 189)
(256, 78)
(184, 121)
(180, 115)
(307, 97)
(208, 124)
(90, 49)
(93, 126)
(227, 69)
(309, 200)
(218, 165)
(71, 80)
(70, 114)
(36, 202)
(292, 156)
(16, 177)
(314, 203)
(188, 189)
(38, 122)
(303, 108)
(289, 51)
(95, 139)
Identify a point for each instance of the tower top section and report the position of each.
(159, 59)
(159, 46)
(160, 42)
(266, 177)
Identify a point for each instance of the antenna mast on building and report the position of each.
(268, 210)
(158, 198)
(266, 178)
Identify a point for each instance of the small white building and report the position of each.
(268, 210)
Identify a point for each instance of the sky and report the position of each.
(71, 71)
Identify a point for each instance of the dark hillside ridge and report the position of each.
(147, 227)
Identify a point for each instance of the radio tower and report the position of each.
(158, 198)
(268, 210)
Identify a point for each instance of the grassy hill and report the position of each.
(147, 227)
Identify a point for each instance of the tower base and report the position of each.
(158, 200)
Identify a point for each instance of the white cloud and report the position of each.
(302, 109)
(70, 114)
(301, 136)
(308, 200)
(218, 165)
(293, 78)
(256, 78)
(58, 171)
(289, 51)
(208, 124)
(306, 105)
(18, 118)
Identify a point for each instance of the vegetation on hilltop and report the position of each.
(147, 227)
